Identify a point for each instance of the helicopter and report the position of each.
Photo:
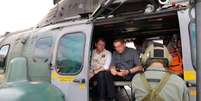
(50, 61)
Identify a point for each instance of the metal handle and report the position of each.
(79, 81)
(190, 84)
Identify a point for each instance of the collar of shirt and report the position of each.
(156, 69)
(99, 54)
(126, 49)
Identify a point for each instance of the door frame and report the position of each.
(87, 29)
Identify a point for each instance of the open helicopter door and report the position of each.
(69, 71)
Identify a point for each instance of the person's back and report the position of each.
(174, 90)
(157, 83)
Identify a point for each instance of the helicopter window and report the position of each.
(192, 29)
(3, 54)
(70, 53)
(42, 48)
(130, 45)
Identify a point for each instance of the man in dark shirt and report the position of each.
(125, 61)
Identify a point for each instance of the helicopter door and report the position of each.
(69, 72)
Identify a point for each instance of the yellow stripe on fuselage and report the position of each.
(189, 75)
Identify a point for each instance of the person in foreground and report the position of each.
(156, 83)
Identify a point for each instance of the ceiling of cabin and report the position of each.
(139, 25)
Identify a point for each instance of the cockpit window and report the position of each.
(70, 53)
(42, 49)
(3, 54)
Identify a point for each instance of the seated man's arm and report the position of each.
(136, 69)
(137, 63)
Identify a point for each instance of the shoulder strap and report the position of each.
(160, 86)
(146, 84)
(162, 83)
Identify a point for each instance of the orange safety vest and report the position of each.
(176, 64)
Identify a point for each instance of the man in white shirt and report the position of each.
(99, 71)
(101, 58)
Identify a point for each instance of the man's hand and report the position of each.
(122, 73)
(113, 71)
(91, 73)
(99, 70)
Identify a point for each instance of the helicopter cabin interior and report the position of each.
(139, 29)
